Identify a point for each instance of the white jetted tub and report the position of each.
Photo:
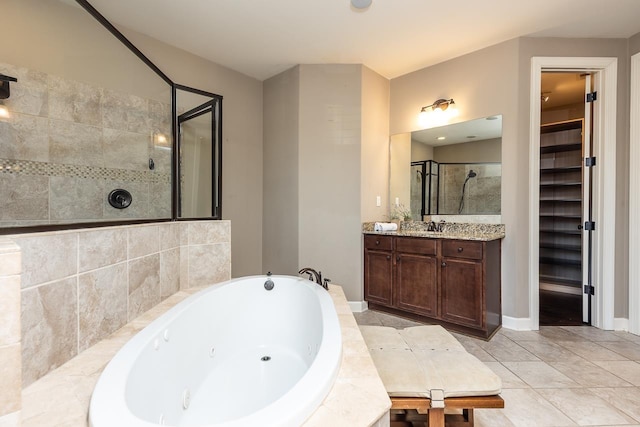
(234, 354)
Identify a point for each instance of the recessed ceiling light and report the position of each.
(471, 136)
(492, 118)
(440, 138)
(361, 4)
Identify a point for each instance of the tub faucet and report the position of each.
(315, 276)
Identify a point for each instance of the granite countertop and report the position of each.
(450, 230)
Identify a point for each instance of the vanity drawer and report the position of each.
(462, 249)
(383, 243)
(416, 245)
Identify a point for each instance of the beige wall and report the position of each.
(280, 181)
(482, 83)
(374, 156)
(488, 150)
(420, 151)
(326, 140)
(242, 142)
(329, 161)
(634, 44)
(401, 152)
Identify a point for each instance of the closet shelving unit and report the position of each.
(561, 202)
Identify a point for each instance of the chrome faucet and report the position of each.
(315, 276)
(435, 226)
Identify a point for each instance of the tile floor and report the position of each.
(557, 376)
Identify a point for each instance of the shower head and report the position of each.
(471, 174)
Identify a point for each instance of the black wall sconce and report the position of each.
(5, 90)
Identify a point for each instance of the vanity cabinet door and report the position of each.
(462, 292)
(416, 284)
(378, 276)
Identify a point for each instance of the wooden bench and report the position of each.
(430, 377)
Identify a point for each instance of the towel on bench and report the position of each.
(414, 361)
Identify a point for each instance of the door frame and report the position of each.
(604, 187)
(634, 199)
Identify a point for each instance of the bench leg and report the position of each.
(436, 417)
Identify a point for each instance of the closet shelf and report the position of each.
(560, 261)
(564, 216)
(561, 148)
(560, 280)
(561, 247)
(567, 232)
(565, 169)
(561, 184)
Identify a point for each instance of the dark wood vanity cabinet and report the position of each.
(452, 282)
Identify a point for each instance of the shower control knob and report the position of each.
(120, 199)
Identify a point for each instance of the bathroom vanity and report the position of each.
(450, 278)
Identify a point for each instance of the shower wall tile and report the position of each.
(169, 236)
(184, 233)
(9, 309)
(139, 208)
(49, 327)
(159, 200)
(169, 272)
(160, 116)
(144, 240)
(144, 284)
(74, 101)
(10, 257)
(75, 143)
(24, 197)
(126, 150)
(209, 264)
(124, 111)
(82, 285)
(10, 378)
(102, 303)
(101, 248)
(47, 257)
(76, 198)
(208, 232)
(31, 96)
(24, 137)
(184, 267)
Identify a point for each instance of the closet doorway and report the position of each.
(565, 227)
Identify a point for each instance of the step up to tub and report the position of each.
(425, 370)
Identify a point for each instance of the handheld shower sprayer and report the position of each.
(471, 174)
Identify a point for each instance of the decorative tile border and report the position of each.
(26, 167)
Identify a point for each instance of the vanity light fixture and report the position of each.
(438, 113)
(5, 92)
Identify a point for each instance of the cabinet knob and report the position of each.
(460, 249)
(388, 257)
(398, 258)
(444, 264)
(377, 242)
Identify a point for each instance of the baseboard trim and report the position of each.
(358, 306)
(516, 323)
(620, 324)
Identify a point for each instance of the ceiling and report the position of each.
(393, 37)
(472, 130)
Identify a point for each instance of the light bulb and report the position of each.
(4, 112)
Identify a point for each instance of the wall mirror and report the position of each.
(85, 117)
(199, 153)
(448, 170)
